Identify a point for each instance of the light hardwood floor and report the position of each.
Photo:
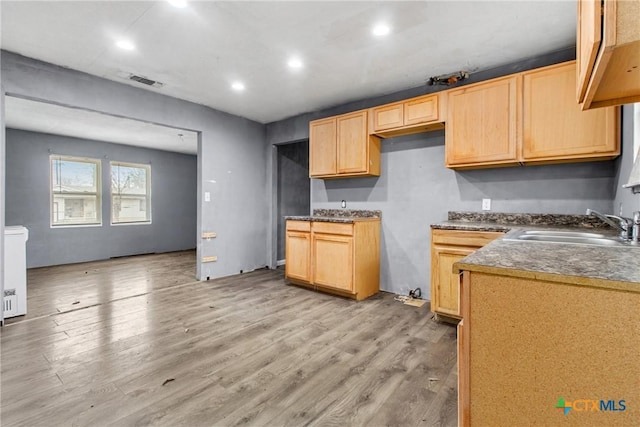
(244, 350)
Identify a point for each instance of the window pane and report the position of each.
(128, 180)
(74, 176)
(72, 209)
(129, 208)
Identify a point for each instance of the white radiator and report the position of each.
(10, 303)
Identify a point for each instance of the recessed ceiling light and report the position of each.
(178, 3)
(125, 45)
(381, 30)
(294, 63)
(238, 86)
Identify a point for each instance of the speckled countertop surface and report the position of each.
(471, 226)
(338, 215)
(598, 266)
(496, 221)
(616, 267)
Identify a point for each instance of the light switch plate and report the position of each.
(486, 204)
(207, 196)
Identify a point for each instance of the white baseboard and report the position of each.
(281, 262)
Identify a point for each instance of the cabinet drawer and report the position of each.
(333, 228)
(298, 225)
(464, 238)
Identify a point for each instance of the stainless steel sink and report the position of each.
(562, 233)
(572, 237)
(599, 241)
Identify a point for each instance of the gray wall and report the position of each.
(623, 196)
(415, 189)
(173, 198)
(293, 185)
(231, 154)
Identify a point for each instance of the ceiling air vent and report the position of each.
(145, 81)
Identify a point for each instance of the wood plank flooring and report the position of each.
(243, 350)
(70, 287)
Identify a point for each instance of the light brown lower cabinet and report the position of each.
(298, 250)
(529, 348)
(447, 248)
(340, 258)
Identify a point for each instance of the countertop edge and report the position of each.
(584, 281)
(344, 220)
(474, 227)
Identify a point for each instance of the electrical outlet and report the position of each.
(486, 204)
(344, 204)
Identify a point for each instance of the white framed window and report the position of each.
(130, 193)
(75, 191)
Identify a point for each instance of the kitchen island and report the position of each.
(550, 334)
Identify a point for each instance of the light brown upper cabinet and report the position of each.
(322, 147)
(554, 126)
(608, 52)
(341, 146)
(482, 124)
(527, 118)
(406, 117)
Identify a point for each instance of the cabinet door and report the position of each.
(333, 261)
(353, 144)
(482, 123)
(322, 147)
(588, 42)
(388, 116)
(555, 127)
(421, 110)
(298, 255)
(445, 285)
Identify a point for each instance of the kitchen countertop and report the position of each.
(598, 266)
(344, 220)
(497, 221)
(347, 216)
(612, 267)
(471, 226)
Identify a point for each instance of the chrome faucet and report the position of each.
(629, 228)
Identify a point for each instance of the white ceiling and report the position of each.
(55, 119)
(198, 51)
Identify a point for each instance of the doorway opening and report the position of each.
(293, 187)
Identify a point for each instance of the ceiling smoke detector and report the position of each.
(144, 80)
